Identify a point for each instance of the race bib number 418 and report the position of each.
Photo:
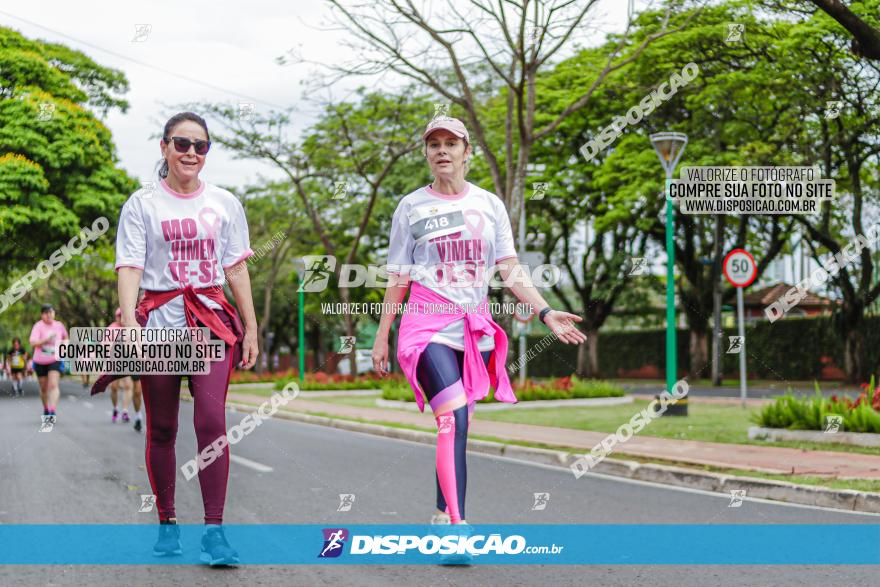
(427, 222)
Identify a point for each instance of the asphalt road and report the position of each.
(88, 470)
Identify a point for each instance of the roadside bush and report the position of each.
(570, 387)
(321, 381)
(810, 413)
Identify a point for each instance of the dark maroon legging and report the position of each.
(162, 402)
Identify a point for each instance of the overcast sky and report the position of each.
(230, 45)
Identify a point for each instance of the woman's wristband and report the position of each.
(543, 313)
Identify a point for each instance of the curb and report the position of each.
(843, 499)
(852, 438)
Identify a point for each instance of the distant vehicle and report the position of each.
(363, 359)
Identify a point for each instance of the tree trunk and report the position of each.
(583, 369)
(853, 353)
(699, 350)
(261, 351)
(261, 348)
(319, 348)
(591, 350)
(263, 328)
(349, 330)
(717, 364)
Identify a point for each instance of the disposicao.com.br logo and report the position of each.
(429, 544)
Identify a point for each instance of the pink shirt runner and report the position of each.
(45, 354)
(418, 325)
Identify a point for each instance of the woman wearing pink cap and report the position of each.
(446, 238)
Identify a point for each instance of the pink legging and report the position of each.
(440, 375)
(162, 402)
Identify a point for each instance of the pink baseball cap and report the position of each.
(453, 125)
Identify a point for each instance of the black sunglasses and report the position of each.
(182, 145)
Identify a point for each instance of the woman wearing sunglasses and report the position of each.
(180, 243)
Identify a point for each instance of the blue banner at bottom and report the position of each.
(656, 544)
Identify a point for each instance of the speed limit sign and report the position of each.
(740, 268)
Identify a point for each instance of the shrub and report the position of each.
(773, 342)
(397, 389)
(322, 381)
(254, 377)
(560, 388)
(810, 413)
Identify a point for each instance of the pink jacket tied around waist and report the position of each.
(419, 323)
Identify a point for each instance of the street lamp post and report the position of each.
(669, 147)
(300, 266)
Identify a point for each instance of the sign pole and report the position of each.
(671, 342)
(740, 270)
(743, 392)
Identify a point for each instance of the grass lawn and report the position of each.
(705, 422)
(708, 422)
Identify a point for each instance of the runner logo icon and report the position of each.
(334, 540)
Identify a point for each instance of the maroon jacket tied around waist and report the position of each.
(194, 309)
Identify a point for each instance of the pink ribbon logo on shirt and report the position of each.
(476, 229)
(210, 221)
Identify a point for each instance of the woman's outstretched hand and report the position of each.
(562, 325)
(249, 349)
(380, 356)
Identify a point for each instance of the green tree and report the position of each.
(727, 124)
(846, 148)
(58, 164)
(274, 238)
(346, 173)
(479, 51)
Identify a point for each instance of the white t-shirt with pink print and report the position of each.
(181, 239)
(454, 241)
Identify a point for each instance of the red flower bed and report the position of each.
(867, 397)
(270, 377)
(563, 383)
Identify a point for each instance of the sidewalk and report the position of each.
(778, 460)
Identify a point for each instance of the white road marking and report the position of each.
(259, 467)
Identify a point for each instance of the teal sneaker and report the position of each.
(464, 530)
(215, 548)
(168, 543)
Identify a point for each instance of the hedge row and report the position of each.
(791, 348)
(559, 388)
